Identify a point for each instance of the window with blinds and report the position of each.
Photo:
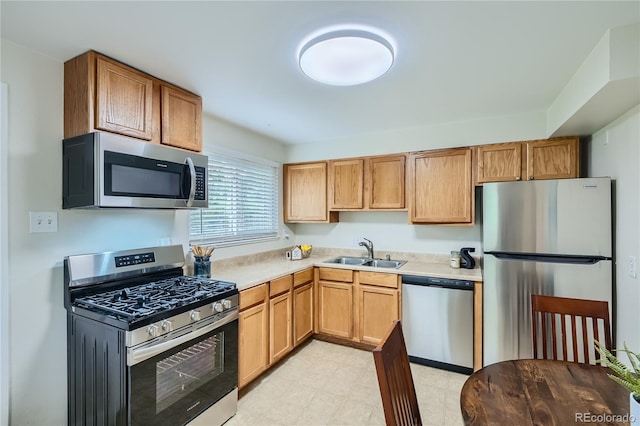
(243, 203)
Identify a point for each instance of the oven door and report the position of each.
(177, 384)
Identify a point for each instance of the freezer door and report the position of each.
(508, 285)
(565, 216)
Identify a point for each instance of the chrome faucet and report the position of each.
(368, 244)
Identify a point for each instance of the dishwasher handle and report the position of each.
(437, 282)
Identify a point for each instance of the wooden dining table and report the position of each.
(543, 392)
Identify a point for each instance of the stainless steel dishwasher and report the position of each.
(437, 322)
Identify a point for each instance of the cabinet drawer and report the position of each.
(376, 278)
(253, 296)
(330, 274)
(302, 277)
(280, 285)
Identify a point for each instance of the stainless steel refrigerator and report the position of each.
(548, 237)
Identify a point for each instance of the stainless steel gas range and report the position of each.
(146, 344)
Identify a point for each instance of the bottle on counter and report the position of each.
(454, 259)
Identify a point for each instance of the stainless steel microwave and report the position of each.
(105, 170)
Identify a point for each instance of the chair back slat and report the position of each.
(397, 390)
(589, 315)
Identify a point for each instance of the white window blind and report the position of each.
(243, 203)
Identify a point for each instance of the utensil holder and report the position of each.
(202, 266)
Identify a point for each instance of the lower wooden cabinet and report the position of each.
(253, 334)
(280, 341)
(274, 317)
(359, 306)
(335, 309)
(378, 308)
(303, 313)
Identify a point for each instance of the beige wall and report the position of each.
(615, 151)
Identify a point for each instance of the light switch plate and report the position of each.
(43, 221)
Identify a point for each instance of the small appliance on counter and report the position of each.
(466, 260)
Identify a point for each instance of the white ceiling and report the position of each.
(456, 60)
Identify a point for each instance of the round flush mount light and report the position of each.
(346, 56)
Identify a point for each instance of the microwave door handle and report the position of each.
(192, 190)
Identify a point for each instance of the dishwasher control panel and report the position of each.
(437, 282)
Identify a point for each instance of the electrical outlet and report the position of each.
(633, 272)
(43, 221)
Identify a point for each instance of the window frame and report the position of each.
(230, 241)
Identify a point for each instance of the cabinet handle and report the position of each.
(530, 177)
(517, 177)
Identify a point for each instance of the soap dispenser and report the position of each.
(466, 260)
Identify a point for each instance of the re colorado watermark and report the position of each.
(604, 418)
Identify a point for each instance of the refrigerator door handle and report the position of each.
(549, 258)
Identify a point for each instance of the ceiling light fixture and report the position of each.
(342, 56)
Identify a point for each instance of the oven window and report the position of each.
(187, 370)
(175, 386)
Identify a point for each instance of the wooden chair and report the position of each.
(394, 377)
(554, 311)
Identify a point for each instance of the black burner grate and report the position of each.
(137, 302)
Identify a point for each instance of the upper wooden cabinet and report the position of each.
(386, 182)
(553, 158)
(538, 159)
(124, 99)
(103, 94)
(440, 187)
(499, 162)
(181, 119)
(369, 183)
(346, 184)
(305, 193)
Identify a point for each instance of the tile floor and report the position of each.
(326, 384)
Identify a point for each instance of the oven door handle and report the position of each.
(137, 355)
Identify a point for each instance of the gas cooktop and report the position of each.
(132, 303)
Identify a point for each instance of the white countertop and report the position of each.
(250, 275)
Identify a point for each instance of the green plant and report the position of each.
(627, 377)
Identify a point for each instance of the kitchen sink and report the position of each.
(381, 263)
(345, 260)
(363, 261)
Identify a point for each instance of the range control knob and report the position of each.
(194, 315)
(217, 307)
(166, 325)
(152, 330)
(226, 303)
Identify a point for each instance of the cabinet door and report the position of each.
(499, 162)
(302, 313)
(440, 187)
(123, 100)
(253, 352)
(346, 184)
(378, 309)
(336, 309)
(385, 178)
(280, 340)
(305, 192)
(553, 159)
(181, 119)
